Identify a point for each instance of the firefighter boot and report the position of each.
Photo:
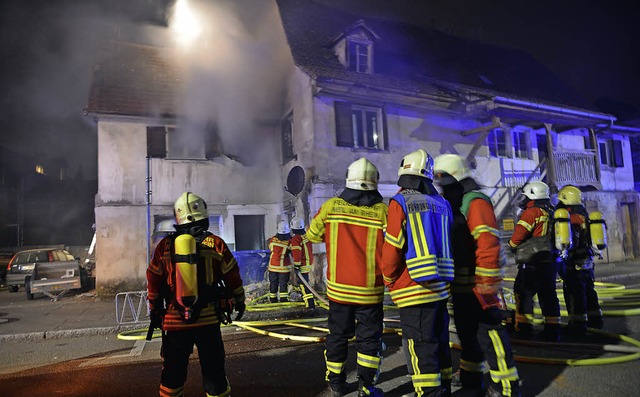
(340, 389)
(523, 331)
(364, 391)
(595, 322)
(494, 391)
(577, 328)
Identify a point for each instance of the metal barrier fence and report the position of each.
(131, 307)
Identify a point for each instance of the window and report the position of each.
(497, 143)
(521, 146)
(249, 232)
(287, 140)
(358, 57)
(359, 126)
(588, 144)
(611, 153)
(39, 169)
(169, 142)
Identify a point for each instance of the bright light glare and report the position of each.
(184, 23)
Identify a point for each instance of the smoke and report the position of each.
(235, 58)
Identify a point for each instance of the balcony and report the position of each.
(577, 168)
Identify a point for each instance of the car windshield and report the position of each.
(31, 257)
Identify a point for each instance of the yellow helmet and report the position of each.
(450, 168)
(189, 208)
(417, 163)
(570, 195)
(362, 175)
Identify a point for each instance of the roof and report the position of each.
(134, 80)
(415, 58)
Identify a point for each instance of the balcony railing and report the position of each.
(576, 168)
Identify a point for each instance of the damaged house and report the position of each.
(352, 86)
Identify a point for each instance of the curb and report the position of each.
(607, 279)
(70, 333)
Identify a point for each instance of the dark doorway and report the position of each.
(249, 231)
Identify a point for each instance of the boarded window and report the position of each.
(156, 142)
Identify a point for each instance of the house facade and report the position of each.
(357, 87)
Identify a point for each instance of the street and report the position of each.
(257, 365)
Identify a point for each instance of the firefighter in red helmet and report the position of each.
(190, 273)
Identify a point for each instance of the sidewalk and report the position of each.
(87, 314)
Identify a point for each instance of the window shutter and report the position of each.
(618, 160)
(344, 127)
(156, 142)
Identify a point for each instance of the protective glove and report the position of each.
(156, 313)
(240, 306)
(489, 295)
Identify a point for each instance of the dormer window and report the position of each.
(359, 55)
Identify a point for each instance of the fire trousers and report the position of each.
(279, 281)
(537, 279)
(425, 341)
(307, 295)
(581, 298)
(177, 346)
(483, 337)
(345, 321)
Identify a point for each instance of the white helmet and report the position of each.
(536, 190)
(189, 208)
(450, 168)
(296, 223)
(283, 227)
(417, 163)
(362, 175)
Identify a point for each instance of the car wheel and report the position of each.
(13, 288)
(27, 287)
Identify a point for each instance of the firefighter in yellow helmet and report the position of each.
(280, 264)
(352, 227)
(536, 275)
(191, 271)
(477, 283)
(302, 254)
(417, 267)
(577, 269)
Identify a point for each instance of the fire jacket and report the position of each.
(417, 238)
(279, 260)
(533, 222)
(353, 236)
(302, 252)
(476, 244)
(215, 262)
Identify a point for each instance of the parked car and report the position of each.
(5, 258)
(20, 268)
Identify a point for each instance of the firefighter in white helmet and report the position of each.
(536, 275)
(352, 227)
(577, 269)
(302, 254)
(280, 263)
(417, 267)
(187, 308)
(478, 310)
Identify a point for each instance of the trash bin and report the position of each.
(253, 265)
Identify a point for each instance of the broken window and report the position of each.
(359, 126)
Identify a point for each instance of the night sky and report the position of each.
(47, 49)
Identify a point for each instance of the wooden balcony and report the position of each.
(576, 168)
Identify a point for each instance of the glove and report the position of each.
(156, 313)
(240, 306)
(489, 296)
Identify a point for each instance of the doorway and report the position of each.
(249, 232)
(630, 227)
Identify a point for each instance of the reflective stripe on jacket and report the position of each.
(302, 252)
(407, 240)
(279, 260)
(533, 222)
(353, 236)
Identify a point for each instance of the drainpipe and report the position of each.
(594, 144)
(551, 161)
(148, 202)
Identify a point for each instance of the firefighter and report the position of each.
(476, 289)
(352, 227)
(417, 267)
(577, 268)
(184, 290)
(302, 253)
(280, 264)
(539, 275)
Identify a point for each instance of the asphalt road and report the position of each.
(102, 365)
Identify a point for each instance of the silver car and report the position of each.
(21, 266)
